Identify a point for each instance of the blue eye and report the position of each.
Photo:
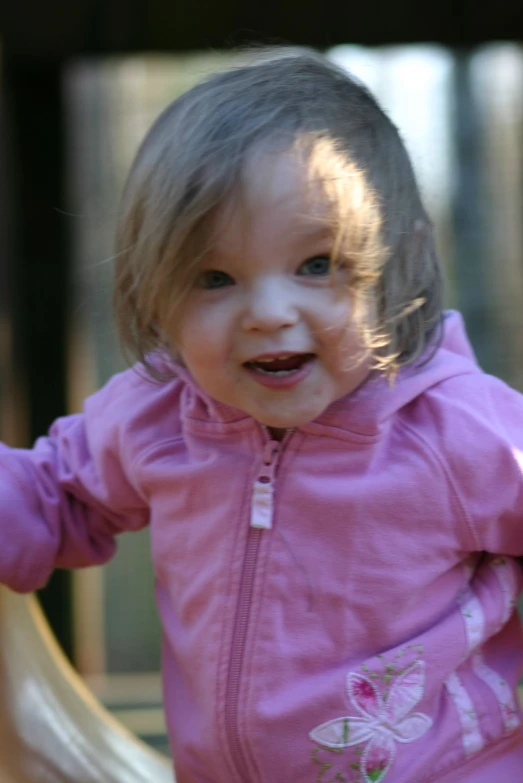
(213, 278)
(317, 266)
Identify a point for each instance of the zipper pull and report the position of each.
(263, 489)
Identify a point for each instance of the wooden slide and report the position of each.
(52, 729)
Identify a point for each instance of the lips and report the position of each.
(279, 365)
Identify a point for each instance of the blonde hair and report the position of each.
(192, 161)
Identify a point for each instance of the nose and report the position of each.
(270, 306)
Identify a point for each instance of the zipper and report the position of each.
(260, 520)
(263, 489)
(237, 652)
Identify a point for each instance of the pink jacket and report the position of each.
(329, 610)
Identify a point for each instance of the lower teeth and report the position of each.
(275, 373)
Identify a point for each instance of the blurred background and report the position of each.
(81, 83)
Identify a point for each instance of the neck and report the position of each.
(276, 434)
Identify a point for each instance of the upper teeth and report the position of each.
(274, 358)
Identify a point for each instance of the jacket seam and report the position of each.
(451, 483)
(316, 430)
(140, 457)
(150, 449)
(494, 416)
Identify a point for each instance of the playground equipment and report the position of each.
(52, 729)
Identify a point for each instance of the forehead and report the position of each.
(277, 201)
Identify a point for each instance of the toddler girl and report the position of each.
(334, 489)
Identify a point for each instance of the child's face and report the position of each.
(265, 330)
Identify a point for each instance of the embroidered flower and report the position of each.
(383, 720)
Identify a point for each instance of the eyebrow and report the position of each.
(304, 232)
(311, 231)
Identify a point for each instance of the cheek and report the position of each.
(193, 326)
(202, 344)
(340, 305)
(347, 347)
(347, 328)
(338, 325)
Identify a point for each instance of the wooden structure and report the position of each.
(49, 32)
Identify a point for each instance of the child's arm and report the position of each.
(62, 502)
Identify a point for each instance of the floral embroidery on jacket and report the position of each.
(385, 718)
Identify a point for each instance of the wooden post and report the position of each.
(469, 218)
(39, 258)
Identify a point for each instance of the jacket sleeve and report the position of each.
(63, 502)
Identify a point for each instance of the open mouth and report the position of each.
(280, 366)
